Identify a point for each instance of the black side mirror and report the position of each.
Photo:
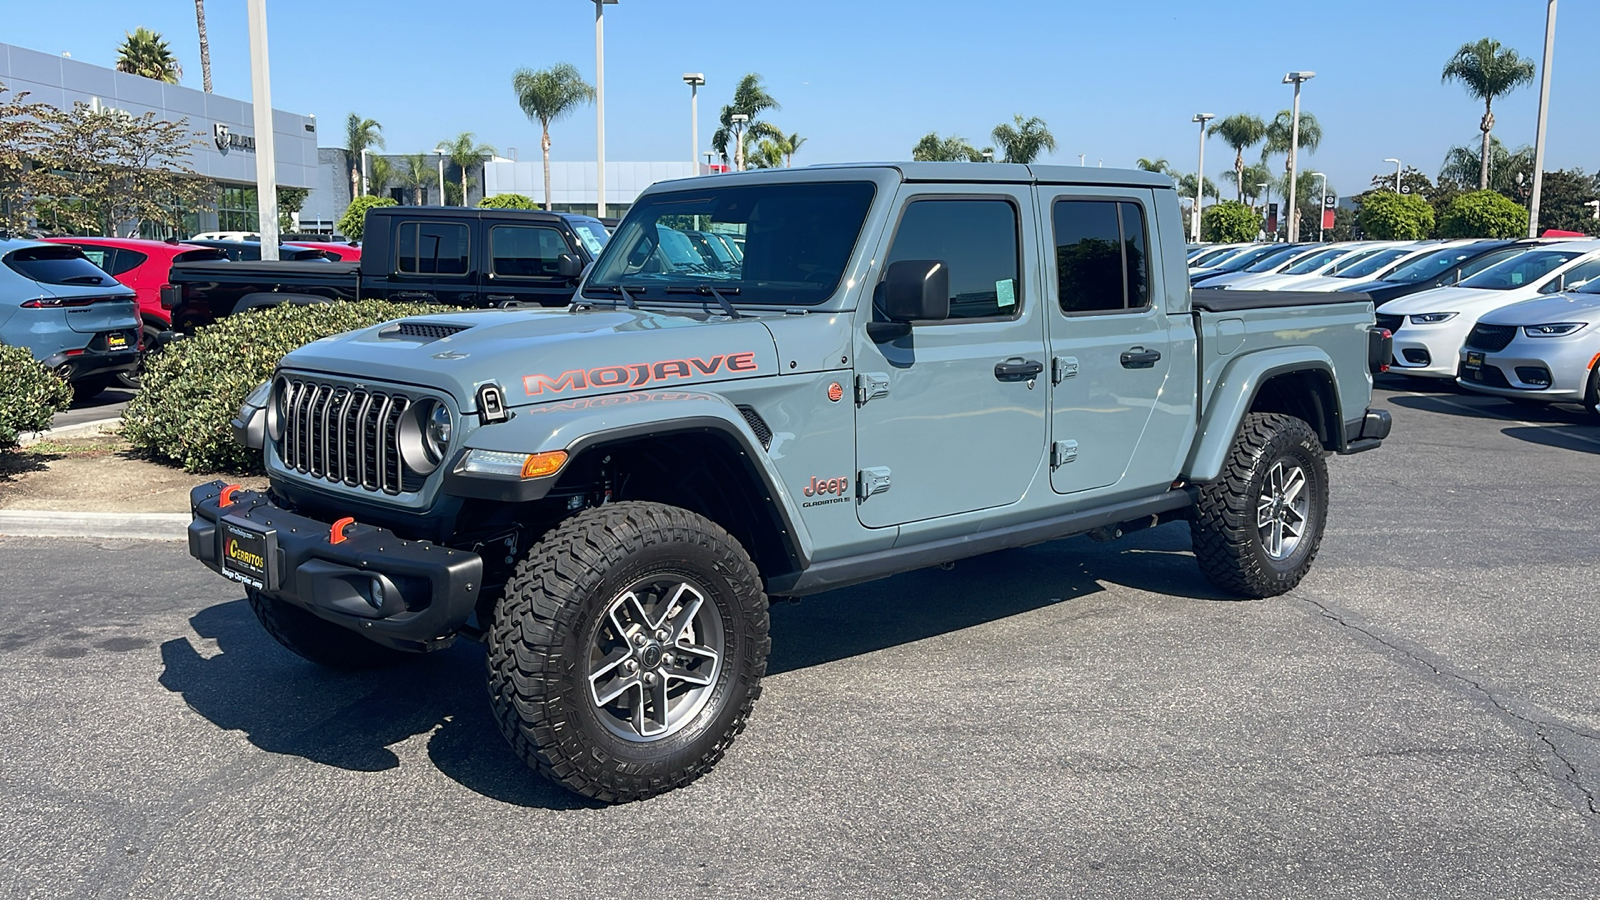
(915, 290)
(568, 266)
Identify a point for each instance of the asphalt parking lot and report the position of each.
(1419, 719)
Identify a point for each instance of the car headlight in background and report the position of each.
(1557, 329)
(1432, 318)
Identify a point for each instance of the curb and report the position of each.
(132, 526)
(81, 429)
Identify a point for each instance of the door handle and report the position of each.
(1018, 369)
(1140, 358)
(499, 298)
(412, 295)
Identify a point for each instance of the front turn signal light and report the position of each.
(511, 465)
(538, 465)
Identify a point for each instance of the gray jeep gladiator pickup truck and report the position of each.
(908, 365)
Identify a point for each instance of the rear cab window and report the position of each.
(432, 248)
(1102, 256)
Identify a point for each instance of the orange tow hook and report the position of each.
(226, 497)
(336, 530)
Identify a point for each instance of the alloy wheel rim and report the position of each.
(1282, 510)
(655, 658)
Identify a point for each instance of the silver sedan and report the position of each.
(1538, 350)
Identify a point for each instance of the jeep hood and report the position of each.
(546, 354)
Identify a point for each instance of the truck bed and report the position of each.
(1221, 301)
(267, 272)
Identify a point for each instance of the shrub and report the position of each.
(353, 224)
(1483, 214)
(193, 388)
(1229, 222)
(507, 201)
(1388, 216)
(30, 395)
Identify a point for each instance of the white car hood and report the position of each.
(1548, 310)
(1457, 299)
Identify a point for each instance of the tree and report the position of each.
(1308, 194)
(1510, 171)
(546, 96)
(1387, 216)
(466, 152)
(22, 130)
(1240, 131)
(768, 154)
(1248, 181)
(353, 224)
(1280, 134)
(416, 175)
(359, 134)
(1159, 166)
(507, 201)
(145, 53)
(205, 44)
(1023, 139)
(1488, 71)
(1483, 214)
(1564, 200)
(791, 146)
(1229, 222)
(1412, 181)
(750, 98)
(933, 148)
(290, 200)
(380, 174)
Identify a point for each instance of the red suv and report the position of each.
(142, 265)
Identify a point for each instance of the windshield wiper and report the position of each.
(626, 297)
(706, 290)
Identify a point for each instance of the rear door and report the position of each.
(433, 263)
(523, 264)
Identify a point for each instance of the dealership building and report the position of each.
(224, 152)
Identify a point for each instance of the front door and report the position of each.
(949, 420)
(1107, 330)
(524, 265)
(434, 264)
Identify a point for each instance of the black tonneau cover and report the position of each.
(265, 270)
(1215, 300)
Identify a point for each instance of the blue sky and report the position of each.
(865, 80)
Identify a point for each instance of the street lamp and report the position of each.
(599, 105)
(1296, 79)
(1322, 215)
(1200, 178)
(1396, 173)
(739, 120)
(363, 171)
(1544, 111)
(1261, 189)
(443, 152)
(694, 80)
(1080, 159)
(1596, 205)
(261, 109)
(988, 156)
(708, 155)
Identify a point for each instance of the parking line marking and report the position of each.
(1480, 410)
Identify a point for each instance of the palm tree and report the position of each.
(465, 152)
(768, 154)
(933, 148)
(145, 53)
(547, 95)
(1248, 181)
(416, 175)
(1160, 166)
(205, 44)
(1488, 71)
(1023, 141)
(750, 98)
(380, 172)
(791, 146)
(359, 134)
(1240, 131)
(1280, 135)
(1462, 163)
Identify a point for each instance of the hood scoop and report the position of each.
(421, 332)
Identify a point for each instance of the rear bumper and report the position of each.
(1369, 433)
(412, 595)
(91, 363)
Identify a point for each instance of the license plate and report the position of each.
(116, 341)
(248, 556)
(1474, 359)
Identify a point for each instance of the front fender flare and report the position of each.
(1236, 392)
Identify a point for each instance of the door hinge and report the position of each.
(871, 386)
(872, 481)
(1062, 368)
(1063, 452)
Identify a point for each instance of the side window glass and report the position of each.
(1136, 257)
(1578, 276)
(977, 240)
(126, 260)
(526, 251)
(1089, 261)
(431, 248)
(100, 256)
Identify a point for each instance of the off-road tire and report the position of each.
(1227, 542)
(324, 643)
(550, 614)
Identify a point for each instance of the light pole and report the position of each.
(708, 155)
(599, 106)
(261, 107)
(1296, 79)
(694, 80)
(1322, 212)
(1396, 173)
(363, 171)
(1544, 112)
(739, 120)
(1080, 159)
(1200, 177)
(1261, 188)
(988, 156)
(443, 152)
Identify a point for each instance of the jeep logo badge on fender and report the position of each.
(831, 488)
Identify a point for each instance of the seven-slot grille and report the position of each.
(1492, 338)
(343, 434)
(1390, 322)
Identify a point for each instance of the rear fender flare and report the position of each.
(1234, 395)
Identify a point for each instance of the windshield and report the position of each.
(1273, 260)
(591, 233)
(1316, 261)
(1207, 258)
(1375, 262)
(761, 243)
(1520, 271)
(1433, 265)
(1251, 254)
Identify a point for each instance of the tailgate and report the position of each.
(106, 315)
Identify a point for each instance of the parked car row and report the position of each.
(1519, 319)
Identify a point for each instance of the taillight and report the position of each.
(59, 302)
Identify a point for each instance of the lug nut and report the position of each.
(667, 659)
(638, 639)
(662, 635)
(630, 665)
(649, 678)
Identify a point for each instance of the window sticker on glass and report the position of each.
(1005, 293)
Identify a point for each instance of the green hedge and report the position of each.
(1229, 222)
(507, 201)
(1483, 214)
(353, 224)
(30, 395)
(1388, 216)
(194, 387)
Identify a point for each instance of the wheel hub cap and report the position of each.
(654, 658)
(1282, 510)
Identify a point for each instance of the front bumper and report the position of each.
(1556, 369)
(1429, 350)
(411, 595)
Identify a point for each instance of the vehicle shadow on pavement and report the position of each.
(1565, 437)
(286, 705)
(1485, 407)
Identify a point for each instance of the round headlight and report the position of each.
(277, 408)
(436, 432)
